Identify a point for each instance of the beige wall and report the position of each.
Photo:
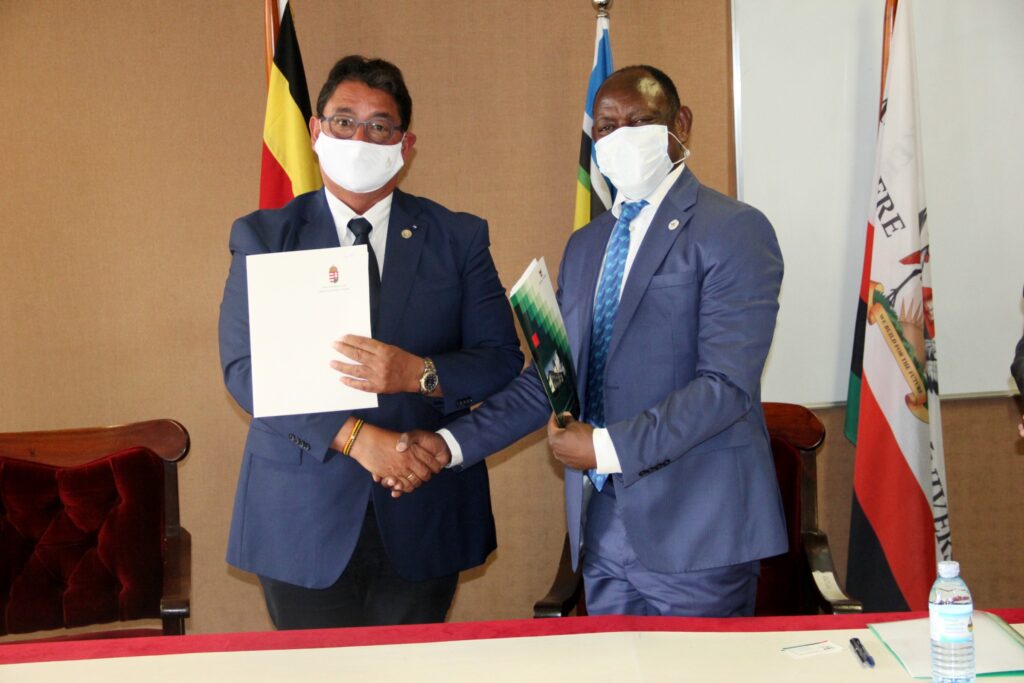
(130, 139)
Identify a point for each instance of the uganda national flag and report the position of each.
(899, 525)
(593, 194)
(289, 166)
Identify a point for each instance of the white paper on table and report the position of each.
(997, 647)
(300, 302)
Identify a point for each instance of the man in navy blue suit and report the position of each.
(331, 548)
(1017, 370)
(669, 300)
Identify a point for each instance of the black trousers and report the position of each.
(368, 593)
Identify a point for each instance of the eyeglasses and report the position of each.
(378, 130)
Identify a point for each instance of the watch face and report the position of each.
(429, 382)
(429, 379)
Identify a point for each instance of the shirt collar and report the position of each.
(378, 214)
(656, 197)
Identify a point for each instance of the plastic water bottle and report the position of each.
(950, 611)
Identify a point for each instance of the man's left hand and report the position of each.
(382, 368)
(573, 444)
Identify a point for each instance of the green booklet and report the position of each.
(533, 301)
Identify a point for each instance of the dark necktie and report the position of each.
(606, 305)
(360, 227)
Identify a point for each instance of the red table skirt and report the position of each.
(388, 635)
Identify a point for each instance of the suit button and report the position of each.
(292, 438)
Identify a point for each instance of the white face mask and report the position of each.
(356, 165)
(635, 159)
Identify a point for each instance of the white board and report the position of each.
(807, 78)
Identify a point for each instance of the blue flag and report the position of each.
(594, 195)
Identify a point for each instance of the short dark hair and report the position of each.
(662, 79)
(376, 73)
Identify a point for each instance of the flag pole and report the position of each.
(593, 194)
(889, 22)
(272, 25)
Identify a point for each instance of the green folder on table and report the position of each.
(533, 301)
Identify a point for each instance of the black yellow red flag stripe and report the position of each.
(289, 167)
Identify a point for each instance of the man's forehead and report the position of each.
(630, 86)
(349, 94)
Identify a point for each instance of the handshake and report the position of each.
(404, 462)
(401, 462)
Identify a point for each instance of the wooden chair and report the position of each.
(801, 581)
(89, 529)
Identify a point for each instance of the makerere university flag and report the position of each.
(899, 524)
(289, 167)
(593, 193)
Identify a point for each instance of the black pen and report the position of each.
(861, 652)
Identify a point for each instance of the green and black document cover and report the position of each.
(533, 301)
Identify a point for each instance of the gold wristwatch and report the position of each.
(428, 380)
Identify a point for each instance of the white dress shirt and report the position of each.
(604, 449)
(378, 215)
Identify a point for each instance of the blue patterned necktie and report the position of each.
(606, 305)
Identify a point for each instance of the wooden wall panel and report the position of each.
(985, 476)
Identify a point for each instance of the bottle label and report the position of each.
(951, 623)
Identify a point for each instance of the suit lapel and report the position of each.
(401, 258)
(318, 231)
(676, 209)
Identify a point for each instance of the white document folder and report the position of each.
(300, 302)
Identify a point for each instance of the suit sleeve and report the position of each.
(1017, 367)
(738, 304)
(520, 408)
(489, 357)
(312, 432)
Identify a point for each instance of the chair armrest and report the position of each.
(823, 571)
(564, 594)
(175, 602)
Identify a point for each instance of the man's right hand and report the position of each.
(375, 449)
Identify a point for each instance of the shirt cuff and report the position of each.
(604, 450)
(453, 447)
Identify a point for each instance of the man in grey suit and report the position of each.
(670, 301)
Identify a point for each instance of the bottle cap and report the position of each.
(949, 569)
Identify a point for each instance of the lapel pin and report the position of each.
(673, 224)
(407, 233)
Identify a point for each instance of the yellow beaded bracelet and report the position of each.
(347, 450)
